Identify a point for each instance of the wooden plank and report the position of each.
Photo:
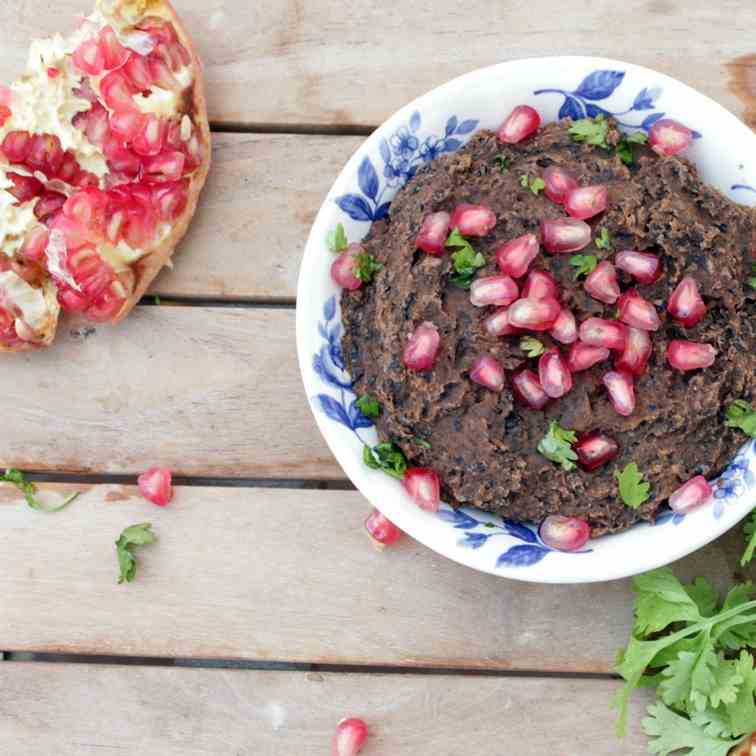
(323, 62)
(74, 710)
(206, 391)
(291, 576)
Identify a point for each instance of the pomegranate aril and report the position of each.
(690, 495)
(53, 72)
(85, 180)
(565, 328)
(586, 201)
(528, 389)
(668, 137)
(193, 153)
(493, 290)
(583, 356)
(514, 257)
(5, 114)
(554, 375)
(565, 235)
(16, 146)
(48, 205)
(520, 124)
(595, 449)
(433, 233)
(24, 187)
(105, 307)
(150, 138)
(564, 533)
(602, 284)
(161, 73)
(644, 267)
(76, 235)
(35, 243)
(118, 91)
(88, 208)
(621, 390)
(540, 285)
(45, 154)
(127, 124)
(686, 305)
(168, 166)
(350, 737)
(155, 485)
(69, 169)
(342, 268)
(558, 183)
(88, 58)
(599, 332)
(423, 485)
(422, 347)
(137, 69)
(487, 371)
(121, 160)
(114, 53)
(637, 352)
(71, 300)
(170, 199)
(690, 355)
(381, 529)
(497, 324)
(472, 220)
(534, 314)
(638, 312)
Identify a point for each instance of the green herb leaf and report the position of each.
(503, 162)
(671, 732)
(466, 261)
(131, 537)
(584, 264)
(336, 239)
(633, 489)
(421, 442)
(532, 347)
(604, 240)
(535, 184)
(366, 266)
(591, 131)
(740, 414)
(387, 457)
(752, 279)
(624, 146)
(369, 407)
(29, 490)
(749, 531)
(556, 446)
(157, 299)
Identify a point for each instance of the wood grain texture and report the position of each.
(290, 576)
(326, 62)
(175, 712)
(206, 391)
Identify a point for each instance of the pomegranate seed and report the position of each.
(381, 529)
(155, 485)
(472, 220)
(534, 314)
(35, 244)
(161, 73)
(565, 235)
(564, 533)
(686, 305)
(137, 69)
(540, 285)
(170, 199)
(48, 205)
(69, 169)
(121, 160)
(75, 234)
(521, 123)
(602, 284)
(24, 187)
(114, 53)
(168, 166)
(342, 268)
(85, 179)
(668, 137)
(690, 355)
(105, 307)
(433, 233)
(423, 485)
(527, 388)
(422, 347)
(5, 114)
(603, 333)
(586, 201)
(88, 208)
(16, 146)
(690, 495)
(582, 356)
(637, 352)
(497, 324)
(45, 154)
(514, 257)
(493, 290)
(595, 449)
(565, 328)
(127, 124)
(638, 312)
(53, 72)
(621, 391)
(117, 91)
(645, 268)
(151, 137)
(554, 374)
(558, 183)
(486, 371)
(88, 58)
(350, 737)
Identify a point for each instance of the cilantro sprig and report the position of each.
(591, 131)
(130, 538)
(466, 261)
(584, 264)
(366, 266)
(625, 145)
(337, 240)
(749, 531)
(535, 183)
(531, 346)
(556, 446)
(370, 407)
(29, 490)
(741, 414)
(502, 162)
(604, 239)
(633, 489)
(387, 457)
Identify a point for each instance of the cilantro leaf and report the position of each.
(624, 146)
(29, 490)
(604, 240)
(740, 414)
(336, 239)
(752, 279)
(134, 535)
(422, 443)
(749, 531)
(591, 131)
(366, 266)
(671, 732)
(556, 446)
(532, 347)
(633, 489)
(535, 184)
(387, 457)
(503, 162)
(369, 407)
(466, 260)
(156, 299)
(584, 264)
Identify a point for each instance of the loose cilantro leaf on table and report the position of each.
(740, 414)
(624, 146)
(604, 240)
(591, 131)
(633, 489)
(532, 347)
(368, 406)
(131, 537)
(749, 531)
(337, 240)
(466, 260)
(535, 184)
(584, 264)
(556, 446)
(387, 457)
(29, 490)
(366, 266)
(503, 162)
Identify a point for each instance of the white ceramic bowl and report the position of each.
(440, 122)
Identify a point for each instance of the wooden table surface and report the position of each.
(263, 615)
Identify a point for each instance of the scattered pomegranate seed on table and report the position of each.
(558, 183)
(423, 485)
(637, 352)
(472, 220)
(155, 485)
(351, 735)
(621, 390)
(528, 389)
(565, 329)
(497, 324)
(668, 137)
(422, 347)
(563, 235)
(519, 124)
(381, 529)
(554, 375)
(514, 257)
(637, 312)
(595, 449)
(540, 285)
(600, 332)
(584, 356)
(690, 495)
(586, 201)
(690, 355)
(644, 267)
(433, 233)
(564, 533)
(686, 305)
(493, 290)
(534, 314)
(486, 371)
(602, 284)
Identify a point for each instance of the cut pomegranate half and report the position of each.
(534, 314)
(487, 371)
(583, 356)
(422, 347)
(586, 201)
(554, 375)
(690, 355)
(472, 220)
(433, 233)
(423, 485)
(565, 235)
(602, 284)
(690, 495)
(520, 124)
(644, 267)
(540, 285)
(668, 137)
(558, 183)
(497, 324)
(155, 485)
(637, 352)
(565, 329)
(493, 290)
(686, 305)
(595, 449)
(621, 390)
(514, 257)
(564, 533)
(381, 529)
(599, 332)
(638, 312)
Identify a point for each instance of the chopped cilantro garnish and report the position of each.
(740, 414)
(532, 347)
(135, 535)
(502, 161)
(368, 406)
(387, 457)
(421, 442)
(591, 130)
(584, 264)
(535, 184)
(365, 266)
(633, 489)
(604, 240)
(556, 446)
(625, 145)
(466, 260)
(29, 490)
(336, 239)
